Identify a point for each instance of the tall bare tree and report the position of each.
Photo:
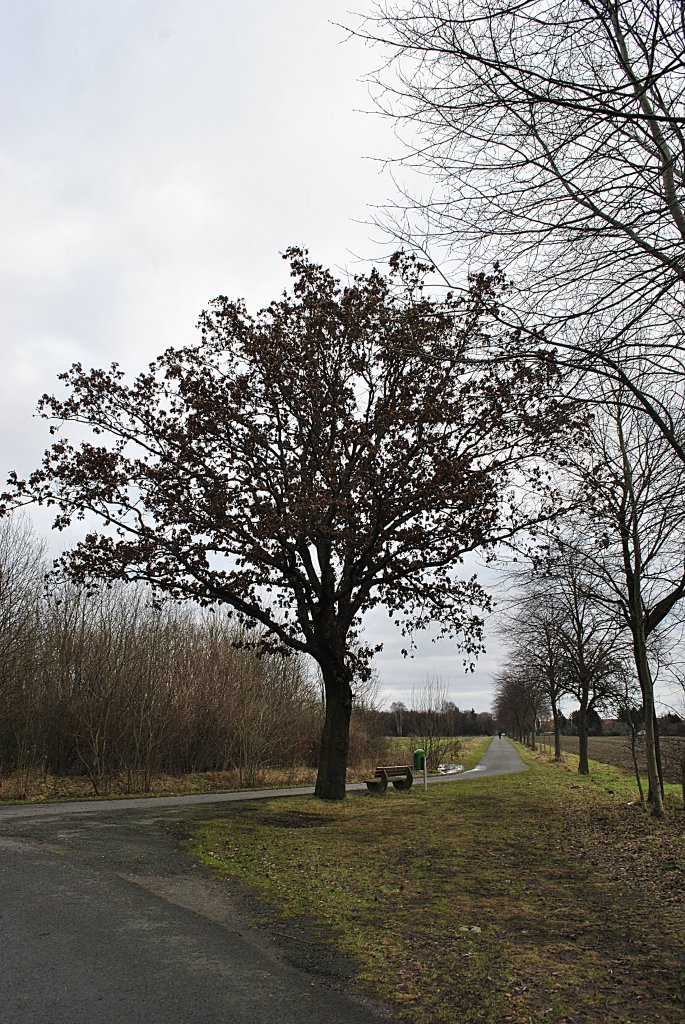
(551, 135)
(588, 635)
(531, 627)
(632, 539)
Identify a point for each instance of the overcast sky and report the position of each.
(157, 154)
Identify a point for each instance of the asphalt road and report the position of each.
(106, 919)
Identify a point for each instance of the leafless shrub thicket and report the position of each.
(103, 685)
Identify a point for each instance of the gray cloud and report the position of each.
(157, 154)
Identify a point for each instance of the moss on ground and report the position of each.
(535, 897)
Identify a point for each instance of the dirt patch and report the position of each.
(295, 819)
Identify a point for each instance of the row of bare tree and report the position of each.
(597, 616)
(561, 646)
(103, 684)
(550, 135)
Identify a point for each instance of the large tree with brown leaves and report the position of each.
(334, 452)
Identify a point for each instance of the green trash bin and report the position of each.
(419, 760)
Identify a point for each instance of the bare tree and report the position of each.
(427, 701)
(633, 718)
(588, 635)
(521, 700)
(398, 709)
(22, 570)
(532, 626)
(632, 538)
(551, 134)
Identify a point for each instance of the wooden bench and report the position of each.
(399, 774)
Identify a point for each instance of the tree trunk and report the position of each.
(636, 767)
(583, 762)
(657, 752)
(557, 731)
(654, 796)
(335, 738)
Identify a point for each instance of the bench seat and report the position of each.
(400, 775)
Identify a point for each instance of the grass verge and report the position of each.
(49, 788)
(536, 897)
(38, 787)
(464, 750)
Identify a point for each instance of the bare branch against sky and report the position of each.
(156, 155)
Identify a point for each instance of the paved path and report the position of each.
(105, 919)
(499, 759)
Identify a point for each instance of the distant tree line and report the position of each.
(444, 720)
(626, 719)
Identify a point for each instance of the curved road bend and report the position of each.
(105, 919)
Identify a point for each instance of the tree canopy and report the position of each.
(556, 128)
(335, 451)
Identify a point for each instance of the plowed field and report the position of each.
(616, 750)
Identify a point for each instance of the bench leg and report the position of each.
(377, 786)
(404, 784)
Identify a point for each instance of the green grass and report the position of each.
(473, 749)
(577, 895)
(466, 750)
